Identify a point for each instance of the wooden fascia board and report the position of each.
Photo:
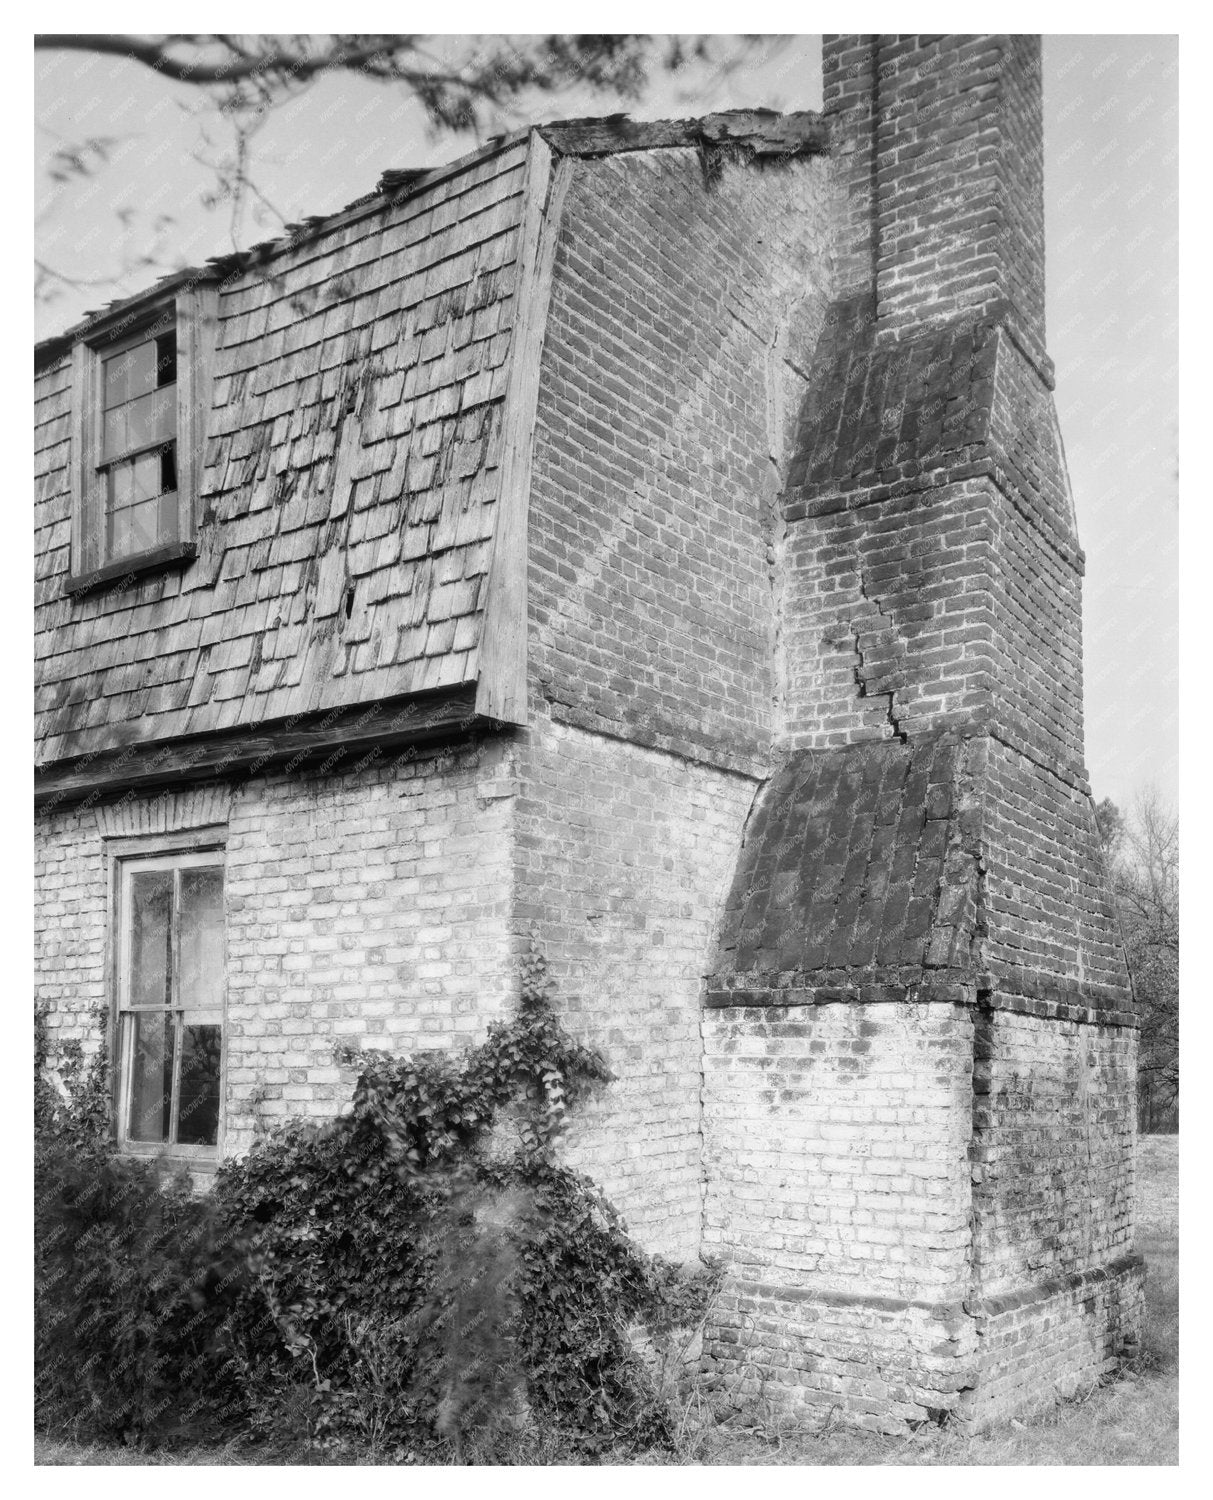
(197, 318)
(84, 549)
(340, 738)
(761, 133)
(501, 691)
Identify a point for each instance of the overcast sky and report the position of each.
(1111, 211)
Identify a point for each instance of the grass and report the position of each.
(61, 1451)
(1133, 1420)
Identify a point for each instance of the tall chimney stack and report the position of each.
(941, 145)
(922, 870)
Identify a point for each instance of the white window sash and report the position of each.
(182, 1014)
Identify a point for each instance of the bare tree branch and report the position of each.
(241, 78)
(1141, 857)
(611, 61)
(156, 53)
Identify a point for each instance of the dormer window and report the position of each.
(140, 394)
(139, 445)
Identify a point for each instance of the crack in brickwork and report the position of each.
(774, 520)
(861, 679)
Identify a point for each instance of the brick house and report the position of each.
(657, 536)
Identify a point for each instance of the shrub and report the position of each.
(132, 1281)
(420, 1275)
(335, 1249)
(405, 1246)
(133, 1276)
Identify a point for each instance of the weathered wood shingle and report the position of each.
(348, 494)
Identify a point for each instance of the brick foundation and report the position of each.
(891, 1261)
(836, 1157)
(1054, 1340)
(868, 1362)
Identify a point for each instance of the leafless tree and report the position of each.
(240, 79)
(1141, 852)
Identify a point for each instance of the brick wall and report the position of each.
(835, 1142)
(949, 606)
(873, 1363)
(1049, 916)
(623, 854)
(889, 621)
(952, 127)
(1055, 1342)
(386, 907)
(681, 315)
(1058, 1290)
(858, 878)
(835, 1148)
(923, 1209)
(1052, 1151)
(70, 924)
(849, 97)
(369, 908)
(1037, 612)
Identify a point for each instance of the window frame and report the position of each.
(193, 310)
(201, 848)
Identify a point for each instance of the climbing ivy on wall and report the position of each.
(421, 1274)
(498, 1282)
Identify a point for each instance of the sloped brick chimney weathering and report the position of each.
(917, 968)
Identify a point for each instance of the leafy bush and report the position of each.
(334, 1251)
(133, 1276)
(408, 1237)
(71, 1095)
(420, 1275)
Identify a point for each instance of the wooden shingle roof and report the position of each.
(350, 477)
(362, 529)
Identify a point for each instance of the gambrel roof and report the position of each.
(369, 421)
(352, 466)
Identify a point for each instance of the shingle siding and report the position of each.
(348, 494)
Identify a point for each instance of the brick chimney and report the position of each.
(922, 868)
(935, 582)
(940, 143)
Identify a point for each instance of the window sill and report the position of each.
(159, 559)
(187, 1156)
(201, 1168)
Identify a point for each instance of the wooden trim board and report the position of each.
(760, 132)
(337, 738)
(501, 691)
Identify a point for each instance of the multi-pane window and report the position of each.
(140, 409)
(138, 457)
(170, 1002)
